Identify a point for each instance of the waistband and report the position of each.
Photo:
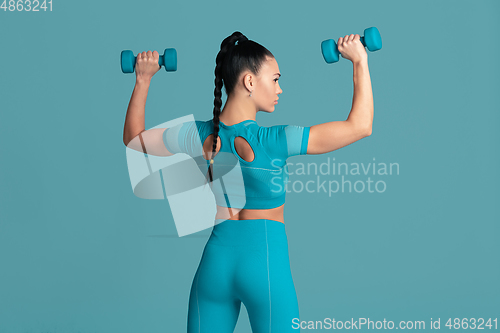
(247, 232)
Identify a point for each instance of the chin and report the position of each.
(268, 110)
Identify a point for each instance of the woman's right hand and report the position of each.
(351, 48)
(146, 65)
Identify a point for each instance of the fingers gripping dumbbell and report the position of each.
(370, 40)
(168, 59)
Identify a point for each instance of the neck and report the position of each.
(237, 110)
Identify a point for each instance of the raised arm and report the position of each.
(327, 137)
(134, 134)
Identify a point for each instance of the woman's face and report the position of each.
(267, 88)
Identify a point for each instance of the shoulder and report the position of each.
(285, 140)
(205, 128)
(282, 132)
(271, 132)
(203, 124)
(200, 127)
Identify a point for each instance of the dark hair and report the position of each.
(231, 61)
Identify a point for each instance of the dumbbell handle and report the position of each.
(362, 40)
(168, 60)
(161, 60)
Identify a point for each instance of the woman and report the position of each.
(246, 257)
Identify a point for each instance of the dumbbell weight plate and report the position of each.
(330, 51)
(170, 60)
(372, 39)
(127, 61)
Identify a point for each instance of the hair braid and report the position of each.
(230, 62)
(225, 45)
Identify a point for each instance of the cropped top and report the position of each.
(264, 177)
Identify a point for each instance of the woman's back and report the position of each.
(257, 154)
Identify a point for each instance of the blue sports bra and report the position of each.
(264, 178)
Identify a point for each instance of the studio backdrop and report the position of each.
(399, 230)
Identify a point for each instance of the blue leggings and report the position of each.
(244, 261)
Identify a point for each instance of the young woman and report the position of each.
(246, 257)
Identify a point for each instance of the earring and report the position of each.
(251, 93)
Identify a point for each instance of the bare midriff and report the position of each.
(275, 214)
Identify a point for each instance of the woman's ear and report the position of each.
(248, 82)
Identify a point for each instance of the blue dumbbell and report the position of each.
(168, 59)
(370, 40)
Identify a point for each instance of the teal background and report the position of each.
(80, 253)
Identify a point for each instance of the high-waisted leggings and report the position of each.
(244, 261)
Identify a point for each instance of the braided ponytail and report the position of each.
(231, 61)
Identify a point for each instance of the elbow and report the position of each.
(127, 140)
(365, 130)
(368, 131)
